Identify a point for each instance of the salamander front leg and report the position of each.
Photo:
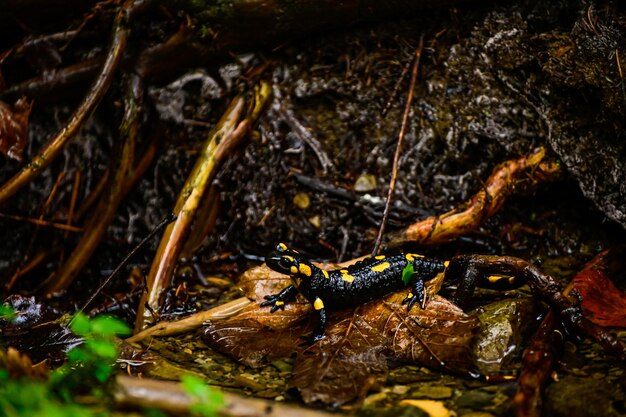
(278, 300)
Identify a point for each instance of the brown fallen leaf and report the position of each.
(14, 128)
(19, 365)
(352, 358)
(601, 301)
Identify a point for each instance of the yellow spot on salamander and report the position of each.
(282, 246)
(305, 270)
(409, 295)
(411, 256)
(381, 267)
(446, 263)
(346, 276)
(294, 269)
(495, 278)
(279, 303)
(289, 258)
(325, 274)
(318, 304)
(379, 257)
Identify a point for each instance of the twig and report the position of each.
(537, 363)
(288, 116)
(545, 348)
(121, 168)
(40, 222)
(192, 322)
(396, 157)
(73, 200)
(229, 132)
(121, 31)
(506, 179)
(170, 397)
(55, 80)
(396, 87)
(168, 219)
(547, 289)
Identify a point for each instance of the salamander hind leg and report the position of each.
(417, 295)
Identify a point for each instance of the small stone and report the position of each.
(577, 397)
(400, 389)
(315, 221)
(503, 325)
(302, 200)
(475, 399)
(365, 183)
(374, 398)
(434, 392)
(282, 366)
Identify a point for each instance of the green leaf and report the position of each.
(194, 386)
(154, 412)
(208, 400)
(77, 354)
(109, 326)
(102, 372)
(7, 313)
(80, 325)
(407, 273)
(104, 349)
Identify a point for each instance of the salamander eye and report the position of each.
(285, 263)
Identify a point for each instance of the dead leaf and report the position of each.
(350, 361)
(19, 365)
(601, 301)
(14, 128)
(250, 341)
(352, 358)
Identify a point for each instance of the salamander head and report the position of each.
(289, 262)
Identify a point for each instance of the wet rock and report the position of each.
(503, 326)
(393, 412)
(475, 400)
(589, 137)
(578, 397)
(434, 392)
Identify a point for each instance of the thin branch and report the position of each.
(168, 219)
(192, 322)
(121, 31)
(121, 167)
(40, 222)
(396, 157)
(507, 178)
(170, 397)
(229, 132)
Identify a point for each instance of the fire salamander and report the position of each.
(356, 284)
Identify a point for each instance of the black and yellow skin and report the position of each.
(354, 285)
